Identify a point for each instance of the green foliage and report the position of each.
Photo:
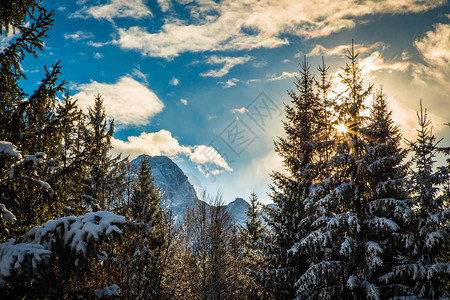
(255, 266)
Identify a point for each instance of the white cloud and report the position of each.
(241, 110)
(184, 101)
(229, 83)
(283, 75)
(127, 101)
(98, 44)
(435, 50)
(341, 50)
(375, 62)
(98, 55)
(246, 25)
(79, 35)
(5, 39)
(286, 61)
(174, 81)
(260, 64)
(137, 73)
(209, 161)
(135, 9)
(154, 143)
(164, 5)
(206, 158)
(229, 62)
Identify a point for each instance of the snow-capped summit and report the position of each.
(178, 192)
(237, 210)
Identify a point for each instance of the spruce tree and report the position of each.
(104, 187)
(140, 257)
(348, 240)
(37, 124)
(251, 236)
(300, 151)
(425, 267)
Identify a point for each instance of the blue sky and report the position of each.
(204, 81)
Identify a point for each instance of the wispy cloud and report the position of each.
(128, 101)
(184, 101)
(219, 26)
(241, 110)
(135, 9)
(164, 5)
(5, 39)
(98, 55)
(209, 161)
(341, 50)
(376, 62)
(434, 47)
(137, 73)
(174, 81)
(283, 75)
(229, 83)
(228, 63)
(79, 35)
(153, 143)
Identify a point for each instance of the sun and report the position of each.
(341, 128)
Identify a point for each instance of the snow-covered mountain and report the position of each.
(237, 210)
(178, 192)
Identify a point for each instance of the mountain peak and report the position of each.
(178, 192)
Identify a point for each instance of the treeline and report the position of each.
(353, 218)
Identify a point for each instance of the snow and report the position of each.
(76, 232)
(373, 249)
(17, 257)
(6, 214)
(37, 244)
(43, 184)
(347, 247)
(352, 282)
(36, 158)
(101, 256)
(433, 238)
(383, 224)
(112, 290)
(372, 291)
(9, 149)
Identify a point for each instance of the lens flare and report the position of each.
(341, 128)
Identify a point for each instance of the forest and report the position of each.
(359, 212)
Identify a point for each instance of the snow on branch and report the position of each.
(6, 214)
(382, 224)
(75, 232)
(37, 244)
(112, 290)
(316, 276)
(9, 149)
(20, 257)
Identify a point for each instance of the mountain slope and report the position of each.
(178, 193)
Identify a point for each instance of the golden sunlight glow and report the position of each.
(341, 128)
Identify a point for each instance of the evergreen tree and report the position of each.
(37, 124)
(299, 151)
(348, 241)
(141, 255)
(425, 268)
(251, 236)
(104, 187)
